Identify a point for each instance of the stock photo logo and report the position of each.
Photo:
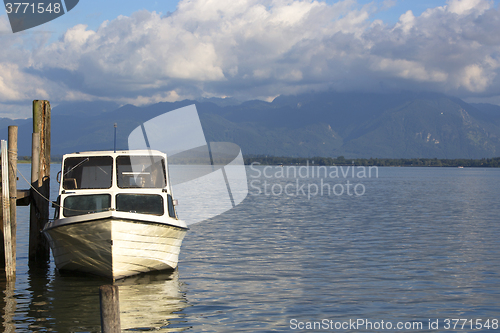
(208, 178)
(28, 14)
(310, 181)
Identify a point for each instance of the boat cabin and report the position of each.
(126, 181)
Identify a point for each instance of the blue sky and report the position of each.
(133, 52)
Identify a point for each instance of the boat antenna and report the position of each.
(115, 137)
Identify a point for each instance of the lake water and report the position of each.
(414, 247)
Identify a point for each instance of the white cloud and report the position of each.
(406, 21)
(475, 78)
(258, 49)
(462, 7)
(15, 85)
(408, 70)
(169, 96)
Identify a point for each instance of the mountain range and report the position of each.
(329, 124)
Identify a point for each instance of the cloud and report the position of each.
(408, 70)
(406, 22)
(258, 49)
(475, 78)
(462, 7)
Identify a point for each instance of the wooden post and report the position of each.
(12, 154)
(10, 269)
(39, 248)
(35, 162)
(110, 309)
(41, 124)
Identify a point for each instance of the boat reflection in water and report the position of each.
(148, 302)
(152, 301)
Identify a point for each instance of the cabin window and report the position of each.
(140, 203)
(91, 172)
(85, 204)
(141, 172)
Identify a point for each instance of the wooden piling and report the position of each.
(12, 156)
(10, 269)
(41, 124)
(39, 247)
(34, 228)
(110, 309)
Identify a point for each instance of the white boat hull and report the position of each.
(115, 247)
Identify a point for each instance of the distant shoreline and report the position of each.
(394, 162)
(342, 161)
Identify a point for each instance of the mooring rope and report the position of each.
(40, 194)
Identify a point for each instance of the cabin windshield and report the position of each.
(141, 172)
(85, 204)
(91, 172)
(140, 203)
